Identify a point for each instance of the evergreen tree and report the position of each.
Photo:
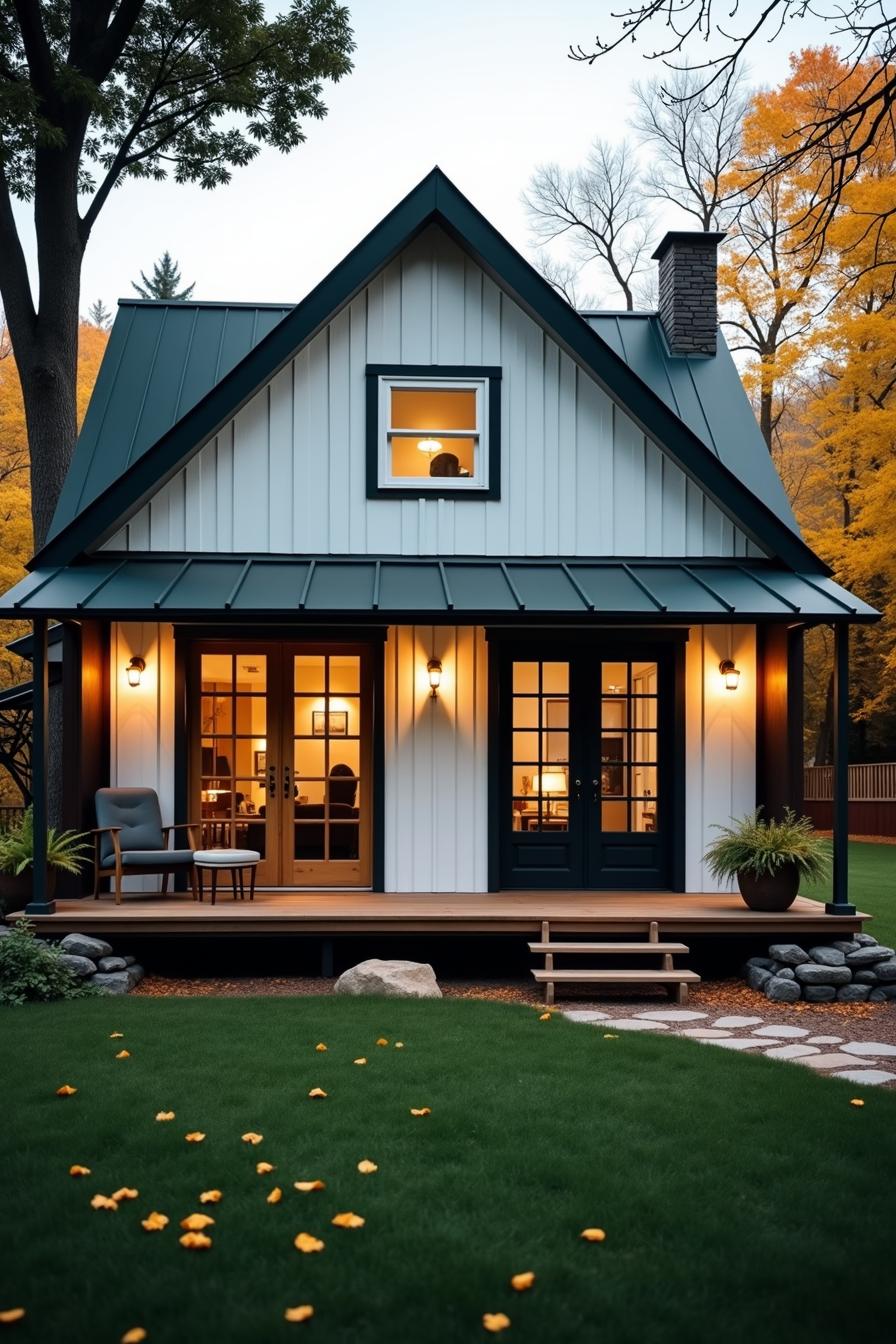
(98, 315)
(164, 282)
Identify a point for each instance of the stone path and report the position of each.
(871, 1063)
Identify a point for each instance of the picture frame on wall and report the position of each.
(332, 723)
(261, 762)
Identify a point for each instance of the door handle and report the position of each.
(576, 790)
(595, 785)
(287, 782)
(272, 781)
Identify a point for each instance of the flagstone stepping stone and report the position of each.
(782, 1031)
(636, 1024)
(868, 1048)
(825, 1040)
(704, 1033)
(833, 1061)
(734, 1043)
(671, 1015)
(735, 1021)
(585, 1015)
(791, 1051)
(870, 1077)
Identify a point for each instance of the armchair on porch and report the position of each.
(130, 840)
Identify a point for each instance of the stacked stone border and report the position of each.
(854, 970)
(93, 961)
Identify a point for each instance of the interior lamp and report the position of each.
(430, 446)
(548, 782)
(135, 669)
(730, 673)
(434, 671)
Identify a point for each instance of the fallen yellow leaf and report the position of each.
(594, 1234)
(317, 1092)
(66, 1090)
(520, 1282)
(347, 1220)
(210, 1197)
(305, 1243)
(154, 1222)
(857, 1101)
(103, 1202)
(495, 1321)
(420, 1110)
(362, 1060)
(264, 1167)
(195, 1222)
(545, 1017)
(164, 1115)
(320, 1046)
(382, 1041)
(303, 1313)
(366, 1167)
(11, 1315)
(305, 1186)
(275, 1196)
(116, 1035)
(135, 1336)
(399, 1045)
(195, 1136)
(195, 1241)
(253, 1138)
(125, 1193)
(610, 1036)
(123, 1054)
(78, 1171)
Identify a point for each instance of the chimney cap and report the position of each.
(691, 237)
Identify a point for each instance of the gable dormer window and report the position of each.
(433, 430)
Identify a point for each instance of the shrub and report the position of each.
(761, 848)
(32, 971)
(65, 849)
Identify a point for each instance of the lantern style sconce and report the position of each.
(135, 669)
(434, 669)
(730, 673)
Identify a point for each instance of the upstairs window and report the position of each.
(433, 430)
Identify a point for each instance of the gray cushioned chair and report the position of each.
(131, 840)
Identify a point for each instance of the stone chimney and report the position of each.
(687, 275)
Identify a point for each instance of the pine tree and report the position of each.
(98, 315)
(164, 282)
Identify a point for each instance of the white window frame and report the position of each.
(478, 482)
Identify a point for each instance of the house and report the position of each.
(431, 585)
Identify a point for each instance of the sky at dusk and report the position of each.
(485, 90)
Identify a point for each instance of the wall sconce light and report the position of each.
(730, 673)
(434, 668)
(135, 669)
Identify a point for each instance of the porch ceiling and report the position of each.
(393, 588)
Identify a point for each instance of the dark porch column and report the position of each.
(840, 807)
(39, 903)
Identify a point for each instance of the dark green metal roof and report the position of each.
(392, 588)
(119, 465)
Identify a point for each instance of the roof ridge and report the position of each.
(200, 303)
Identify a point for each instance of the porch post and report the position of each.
(39, 903)
(840, 905)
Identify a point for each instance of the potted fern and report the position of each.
(769, 858)
(66, 852)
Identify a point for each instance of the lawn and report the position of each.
(872, 886)
(736, 1194)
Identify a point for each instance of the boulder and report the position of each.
(823, 975)
(788, 953)
(827, 956)
(5, 930)
(868, 956)
(111, 982)
(886, 971)
(867, 977)
(764, 963)
(129, 961)
(82, 945)
(853, 993)
(394, 979)
(786, 973)
(758, 977)
(80, 966)
(780, 990)
(864, 940)
(112, 964)
(134, 974)
(819, 993)
(846, 945)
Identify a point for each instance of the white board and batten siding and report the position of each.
(287, 475)
(436, 751)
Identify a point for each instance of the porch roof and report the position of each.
(397, 589)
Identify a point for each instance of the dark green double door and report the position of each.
(585, 757)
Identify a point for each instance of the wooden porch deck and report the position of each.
(504, 912)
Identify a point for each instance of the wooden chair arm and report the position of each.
(101, 830)
(189, 826)
(114, 831)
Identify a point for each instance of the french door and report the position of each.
(280, 757)
(586, 752)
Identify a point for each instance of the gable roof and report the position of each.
(434, 200)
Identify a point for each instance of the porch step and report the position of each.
(633, 977)
(666, 974)
(608, 949)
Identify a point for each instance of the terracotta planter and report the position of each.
(15, 889)
(770, 893)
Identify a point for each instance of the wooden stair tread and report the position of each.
(619, 977)
(606, 948)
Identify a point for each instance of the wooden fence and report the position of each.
(872, 797)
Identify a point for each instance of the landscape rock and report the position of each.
(864, 940)
(82, 945)
(111, 982)
(788, 953)
(846, 945)
(764, 963)
(787, 973)
(886, 971)
(758, 977)
(819, 993)
(827, 956)
(5, 929)
(112, 964)
(129, 961)
(779, 990)
(853, 993)
(823, 975)
(868, 956)
(866, 977)
(395, 979)
(877, 996)
(80, 966)
(134, 974)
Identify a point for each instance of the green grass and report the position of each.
(872, 887)
(736, 1193)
